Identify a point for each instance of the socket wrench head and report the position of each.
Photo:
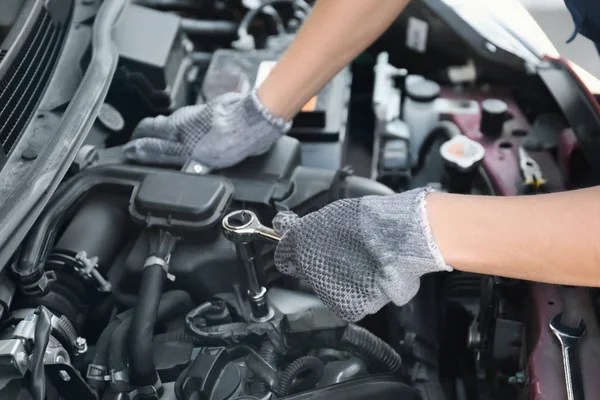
(243, 226)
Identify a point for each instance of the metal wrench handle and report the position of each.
(569, 339)
(573, 378)
(243, 226)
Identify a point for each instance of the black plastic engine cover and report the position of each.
(182, 202)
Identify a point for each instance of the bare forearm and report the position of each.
(548, 238)
(334, 33)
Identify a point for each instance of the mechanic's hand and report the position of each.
(360, 254)
(218, 134)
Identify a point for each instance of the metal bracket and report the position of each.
(69, 383)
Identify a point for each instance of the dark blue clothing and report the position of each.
(586, 16)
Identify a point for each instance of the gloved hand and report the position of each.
(360, 254)
(218, 134)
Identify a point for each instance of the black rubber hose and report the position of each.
(209, 28)
(380, 356)
(172, 304)
(123, 300)
(37, 245)
(101, 356)
(226, 334)
(142, 370)
(269, 353)
(43, 327)
(443, 130)
(311, 366)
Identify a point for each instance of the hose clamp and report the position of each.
(119, 376)
(154, 391)
(164, 264)
(97, 373)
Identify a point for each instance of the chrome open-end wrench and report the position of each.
(243, 228)
(569, 340)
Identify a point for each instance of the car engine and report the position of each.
(148, 282)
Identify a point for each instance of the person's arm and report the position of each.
(335, 32)
(551, 238)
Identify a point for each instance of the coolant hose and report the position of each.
(99, 363)
(172, 304)
(142, 370)
(269, 353)
(380, 356)
(310, 366)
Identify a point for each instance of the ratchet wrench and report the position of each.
(243, 228)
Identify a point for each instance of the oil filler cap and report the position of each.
(494, 114)
(462, 153)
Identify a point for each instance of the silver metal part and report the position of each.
(56, 353)
(15, 360)
(90, 271)
(25, 330)
(13, 357)
(531, 170)
(243, 226)
(81, 345)
(569, 340)
(61, 327)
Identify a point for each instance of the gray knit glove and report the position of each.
(360, 254)
(218, 134)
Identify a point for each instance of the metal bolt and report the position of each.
(81, 345)
(64, 375)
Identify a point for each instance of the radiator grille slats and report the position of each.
(22, 87)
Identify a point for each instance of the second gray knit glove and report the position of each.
(218, 134)
(360, 254)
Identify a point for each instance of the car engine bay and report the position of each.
(153, 282)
